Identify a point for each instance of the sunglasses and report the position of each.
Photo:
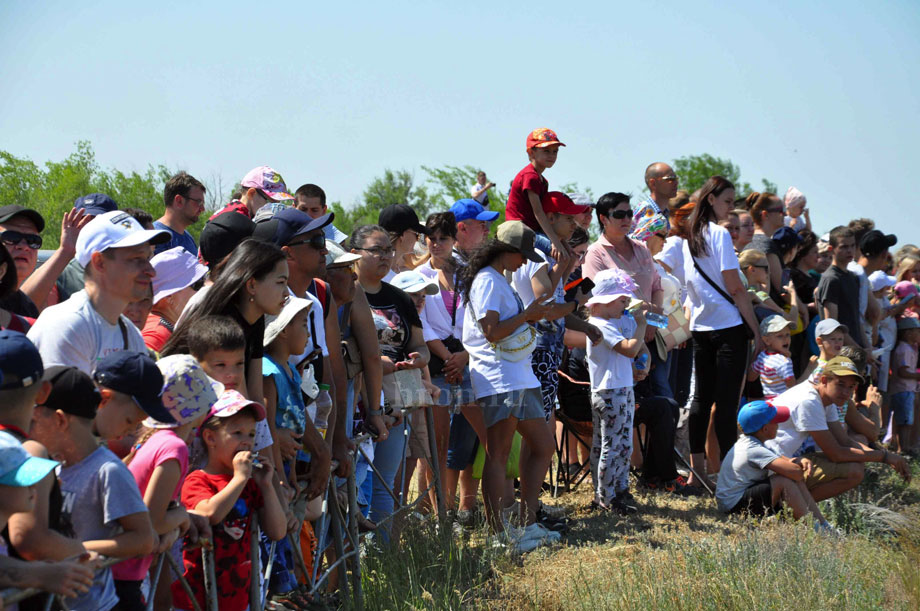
(12, 238)
(317, 242)
(619, 214)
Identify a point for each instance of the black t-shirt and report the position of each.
(394, 316)
(842, 288)
(253, 333)
(805, 285)
(19, 303)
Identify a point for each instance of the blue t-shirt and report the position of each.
(185, 240)
(97, 491)
(290, 413)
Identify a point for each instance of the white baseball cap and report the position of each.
(879, 280)
(774, 324)
(338, 256)
(115, 229)
(412, 282)
(828, 326)
(176, 269)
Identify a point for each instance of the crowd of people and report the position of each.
(159, 392)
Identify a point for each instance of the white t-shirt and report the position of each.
(482, 197)
(710, 311)
(489, 374)
(607, 368)
(672, 255)
(318, 324)
(745, 463)
(806, 413)
(522, 278)
(73, 334)
(797, 223)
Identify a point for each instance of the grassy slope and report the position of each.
(675, 554)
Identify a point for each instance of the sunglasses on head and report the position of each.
(318, 242)
(12, 238)
(619, 214)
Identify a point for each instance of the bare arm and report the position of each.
(41, 281)
(737, 291)
(537, 206)
(158, 495)
(785, 467)
(362, 327)
(137, 538)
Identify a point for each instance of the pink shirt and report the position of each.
(602, 255)
(161, 446)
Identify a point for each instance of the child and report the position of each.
(885, 329)
(286, 335)
(796, 213)
(229, 488)
(102, 505)
(218, 344)
(525, 200)
(612, 399)
(773, 364)
(830, 336)
(903, 382)
(159, 464)
(19, 472)
(129, 387)
(745, 483)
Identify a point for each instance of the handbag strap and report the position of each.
(718, 289)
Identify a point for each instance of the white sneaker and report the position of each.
(540, 533)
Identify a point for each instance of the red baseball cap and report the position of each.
(560, 203)
(542, 137)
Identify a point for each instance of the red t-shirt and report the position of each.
(232, 562)
(156, 332)
(519, 208)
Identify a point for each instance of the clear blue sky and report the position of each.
(822, 95)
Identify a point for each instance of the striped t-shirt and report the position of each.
(773, 368)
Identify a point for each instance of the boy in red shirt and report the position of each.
(525, 201)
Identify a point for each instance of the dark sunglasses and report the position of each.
(318, 242)
(619, 214)
(12, 238)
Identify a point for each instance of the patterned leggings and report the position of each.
(545, 364)
(613, 412)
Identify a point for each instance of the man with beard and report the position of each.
(184, 199)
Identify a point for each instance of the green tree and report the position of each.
(694, 170)
(394, 187)
(52, 189)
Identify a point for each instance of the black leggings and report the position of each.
(720, 358)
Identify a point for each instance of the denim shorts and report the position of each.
(524, 404)
(902, 408)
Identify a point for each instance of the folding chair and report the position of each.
(573, 413)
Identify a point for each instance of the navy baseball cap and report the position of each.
(72, 392)
(287, 223)
(786, 239)
(465, 209)
(20, 361)
(136, 375)
(221, 235)
(754, 415)
(95, 203)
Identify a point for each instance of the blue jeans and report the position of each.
(660, 374)
(388, 456)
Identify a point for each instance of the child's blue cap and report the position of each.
(754, 415)
(17, 467)
(136, 375)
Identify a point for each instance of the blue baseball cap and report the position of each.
(136, 375)
(18, 467)
(754, 415)
(287, 223)
(20, 361)
(465, 209)
(95, 203)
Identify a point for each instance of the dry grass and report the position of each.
(675, 554)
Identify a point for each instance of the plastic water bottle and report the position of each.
(323, 409)
(456, 398)
(642, 361)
